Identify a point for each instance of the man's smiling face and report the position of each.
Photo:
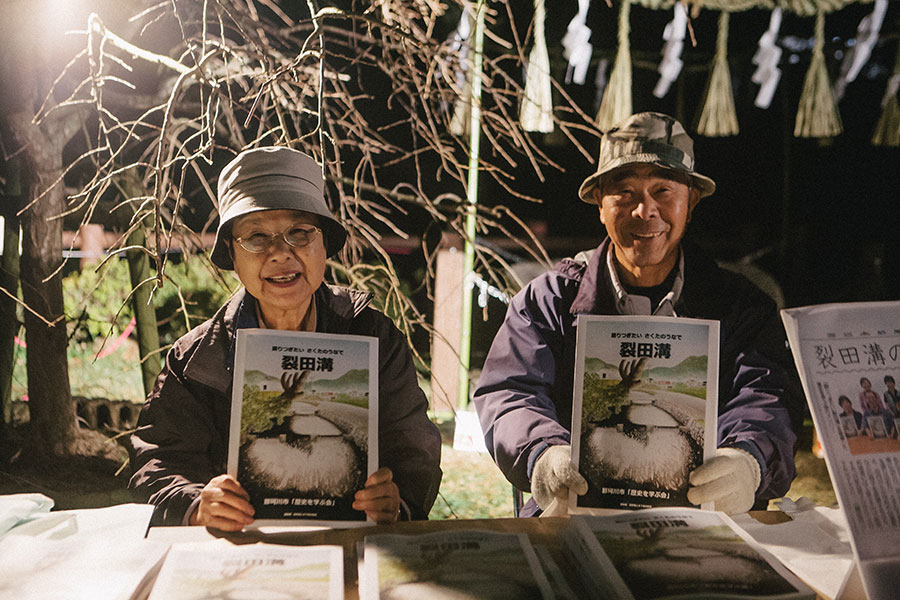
(645, 209)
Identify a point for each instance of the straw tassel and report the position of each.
(537, 106)
(616, 104)
(817, 114)
(887, 131)
(718, 117)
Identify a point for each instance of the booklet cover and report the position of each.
(644, 410)
(303, 408)
(220, 569)
(848, 358)
(451, 565)
(669, 553)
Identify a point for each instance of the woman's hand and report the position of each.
(380, 498)
(224, 505)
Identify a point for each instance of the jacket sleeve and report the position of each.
(408, 442)
(170, 450)
(763, 405)
(515, 393)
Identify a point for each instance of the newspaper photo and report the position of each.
(644, 410)
(304, 423)
(848, 358)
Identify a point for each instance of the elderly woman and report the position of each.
(275, 231)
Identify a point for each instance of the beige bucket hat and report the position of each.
(272, 178)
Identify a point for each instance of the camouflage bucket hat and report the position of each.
(649, 138)
(272, 178)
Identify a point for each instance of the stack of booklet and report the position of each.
(675, 553)
(454, 565)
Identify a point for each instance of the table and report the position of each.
(541, 531)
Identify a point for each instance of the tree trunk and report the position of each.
(144, 313)
(53, 425)
(9, 286)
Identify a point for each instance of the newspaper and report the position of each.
(669, 553)
(644, 411)
(304, 424)
(848, 357)
(451, 565)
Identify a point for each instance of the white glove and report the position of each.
(729, 479)
(554, 475)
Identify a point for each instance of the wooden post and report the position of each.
(448, 294)
(92, 246)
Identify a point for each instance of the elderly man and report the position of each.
(275, 231)
(646, 189)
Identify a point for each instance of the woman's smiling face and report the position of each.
(282, 278)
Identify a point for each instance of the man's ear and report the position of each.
(598, 199)
(693, 200)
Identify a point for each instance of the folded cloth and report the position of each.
(16, 509)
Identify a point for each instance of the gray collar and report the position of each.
(633, 304)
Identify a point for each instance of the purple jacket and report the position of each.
(524, 394)
(182, 437)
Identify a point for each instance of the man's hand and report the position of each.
(224, 505)
(729, 479)
(554, 475)
(380, 498)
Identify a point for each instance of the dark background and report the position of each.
(820, 216)
(824, 214)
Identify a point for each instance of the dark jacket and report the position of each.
(182, 437)
(524, 394)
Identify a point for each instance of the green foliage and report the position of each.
(92, 298)
(600, 398)
(353, 400)
(96, 299)
(697, 392)
(261, 410)
(472, 488)
(204, 290)
(391, 295)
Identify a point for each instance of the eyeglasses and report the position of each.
(297, 237)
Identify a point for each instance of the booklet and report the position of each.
(449, 565)
(669, 553)
(644, 409)
(220, 569)
(848, 357)
(304, 424)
